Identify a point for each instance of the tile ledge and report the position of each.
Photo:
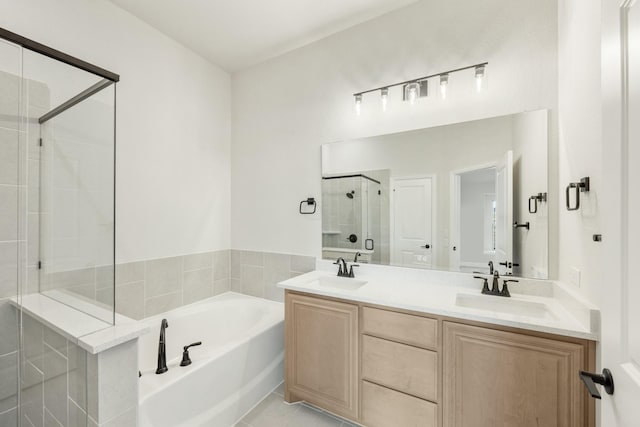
(88, 332)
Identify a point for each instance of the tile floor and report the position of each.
(274, 412)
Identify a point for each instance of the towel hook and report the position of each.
(311, 201)
(539, 198)
(581, 187)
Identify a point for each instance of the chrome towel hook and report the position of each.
(581, 187)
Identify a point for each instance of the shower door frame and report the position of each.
(109, 78)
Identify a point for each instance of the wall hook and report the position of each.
(581, 187)
(311, 201)
(539, 198)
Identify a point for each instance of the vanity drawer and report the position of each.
(414, 330)
(404, 368)
(383, 407)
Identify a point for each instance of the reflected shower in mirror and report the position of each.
(461, 197)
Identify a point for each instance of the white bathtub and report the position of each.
(240, 361)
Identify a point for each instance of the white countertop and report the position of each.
(436, 292)
(86, 331)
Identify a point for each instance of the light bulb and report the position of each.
(479, 77)
(413, 91)
(384, 98)
(444, 83)
(358, 104)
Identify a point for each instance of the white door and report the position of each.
(504, 213)
(620, 296)
(454, 223)
(412, 203)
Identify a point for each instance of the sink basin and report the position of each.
(345, 283)
(505, 305)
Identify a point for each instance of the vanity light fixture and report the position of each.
(358, 104)
(418, 88)
(479, 76)
(384, 97)
(444, 82)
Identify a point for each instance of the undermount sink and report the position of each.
(345, 283)
(505, 305)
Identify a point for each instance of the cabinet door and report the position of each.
(495, 378)
(322, 353)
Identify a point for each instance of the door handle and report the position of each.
(590, 380)
(427, 246)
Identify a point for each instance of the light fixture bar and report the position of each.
(483, 64)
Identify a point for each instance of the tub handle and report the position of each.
(186, 361)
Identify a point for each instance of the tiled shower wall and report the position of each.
(146, 288)
(14, 194)
(9, 188)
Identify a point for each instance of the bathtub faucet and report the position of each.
(162, 349)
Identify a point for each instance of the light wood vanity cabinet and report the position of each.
(388, 368)
(502, 378)
(322, 353)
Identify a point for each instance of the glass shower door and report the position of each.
(77, 205)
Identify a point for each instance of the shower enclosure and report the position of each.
(57, 224)
(352, 220)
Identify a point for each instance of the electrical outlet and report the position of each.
(574, 276)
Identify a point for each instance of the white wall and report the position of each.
(534, 249)
(173, 124)
(580, 140)
(284, 109)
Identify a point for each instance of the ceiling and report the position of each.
(236, 34)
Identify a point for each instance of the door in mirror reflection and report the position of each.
(503, 256)
(473, 218)
(412, 217)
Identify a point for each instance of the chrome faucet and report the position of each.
(162, 349)
(355, 258)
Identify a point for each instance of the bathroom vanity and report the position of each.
(416, 352)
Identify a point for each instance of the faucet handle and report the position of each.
(485, 283)
(505, 289)
(186, 361)
(351, 269)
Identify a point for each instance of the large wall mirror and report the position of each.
(459, 197)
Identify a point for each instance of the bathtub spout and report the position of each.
(162, 349)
